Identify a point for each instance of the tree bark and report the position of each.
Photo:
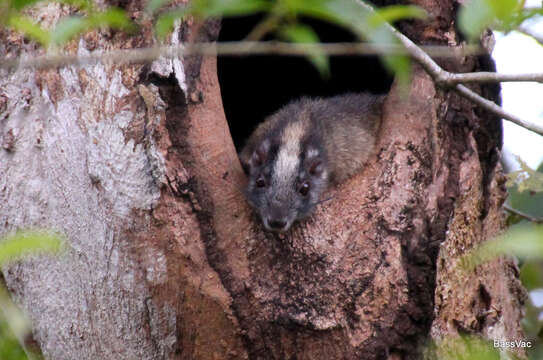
(136, 166)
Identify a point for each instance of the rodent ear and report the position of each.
(315, 162)
(315, 167)
(260, 154)
(245, 166)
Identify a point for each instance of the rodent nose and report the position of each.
(277, 224)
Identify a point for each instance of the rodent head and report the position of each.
(286, 181)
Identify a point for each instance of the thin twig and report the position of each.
(243, 48)
(486, 77)
(443, 78)
(423, 55)
(523, 214)
(529, 32)
(263, 28)
(238, 48)
(492, 107)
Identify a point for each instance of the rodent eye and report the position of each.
(260, 182)
(304, 189)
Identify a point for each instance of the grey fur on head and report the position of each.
(296, 153)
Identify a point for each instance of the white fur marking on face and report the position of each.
(286, 163)
(312, 152)
(288, 157)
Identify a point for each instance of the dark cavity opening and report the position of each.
(253, 87)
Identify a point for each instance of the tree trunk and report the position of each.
(136, 166)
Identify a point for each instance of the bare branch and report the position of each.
(263, 28)
(523, 214)
(482, 77)
(422, 54)
(243, 48)
(490, 106)
(529, 32)
(446, 79)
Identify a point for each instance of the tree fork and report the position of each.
(135, 164)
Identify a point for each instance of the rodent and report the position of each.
(293, 157)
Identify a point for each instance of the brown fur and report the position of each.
(293, 156)
(350, 124)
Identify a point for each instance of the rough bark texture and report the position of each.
(136, 166)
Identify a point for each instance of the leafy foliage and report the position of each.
(526, 179)
(533, 329)
(525, 188)
(32, 30)
(204, 9)
(474, 17)
(304, 34)
(13, 324)
(523, 239)
(24, 243)
(285, 22)
(9, 346)
(72, 26)
(282, 19)
(503, 15)
(464, 348)
(67, 28)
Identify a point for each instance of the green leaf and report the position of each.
(531, 322)
(531, 274)
(113, 18)
(400, 65)
(528, 202)
(355, 17)
(9, 345)
(85, 5)
(395, 13)
(526, 178)
(503, 9)
(305, 34)
(359, 20)
(349, 14)
(72, 26)
(526, 14)
(20, 4)
(508, 14)
(80, 4)
(524, 240)
(164, 23)
(204, 9)
(67, 28)
(525, 188)
(30, 29)
(464, 347)
(154, 5)
(474, 17)
(23, 243)
(344, 13)
(211, 8)
(478, 15)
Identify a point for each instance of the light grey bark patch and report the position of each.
(121, 167)
(73, 171)
(54, 192)
(126, 184)
(165, 67)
